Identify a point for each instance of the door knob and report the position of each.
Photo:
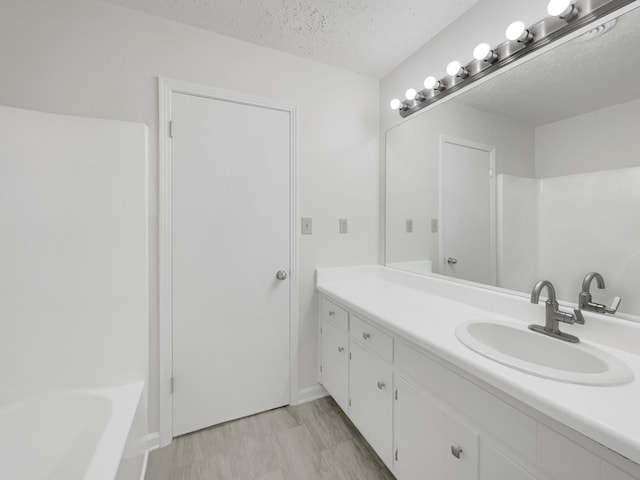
(452, 261)
(281, 275)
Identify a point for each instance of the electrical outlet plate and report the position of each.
(434, 225)
(409, 225)
(344, 225)
(307, 225)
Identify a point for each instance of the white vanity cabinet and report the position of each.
(428, 420)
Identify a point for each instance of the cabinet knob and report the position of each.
(341, 349)
(331, 313)
(381, 385)
(456, 451)
(281, 275)
(366, 335)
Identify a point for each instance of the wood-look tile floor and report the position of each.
(313, 441)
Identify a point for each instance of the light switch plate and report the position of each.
(344, 225)
(409, 225)
(434, 225)
(307, 225)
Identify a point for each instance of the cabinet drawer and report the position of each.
(338, 316)
(563, 459)
(508, 424)
(609, 472)
(495, 466)
(377, 341)
(426, 372)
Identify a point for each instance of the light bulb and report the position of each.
(483, 52)
(395, 104)
(410, 94)
(560, 8)
(430, 82)
(453, 67)
(517, 31)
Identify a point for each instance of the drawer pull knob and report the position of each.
(341, 349)
(331, 313)
(381, 385)
(456, 451)
(366, 335)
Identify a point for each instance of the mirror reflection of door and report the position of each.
(467, 210)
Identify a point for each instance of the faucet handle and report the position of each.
(614, 306)
(579, 317)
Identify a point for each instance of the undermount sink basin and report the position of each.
(513, 345)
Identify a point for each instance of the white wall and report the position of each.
(86, 58)
(412, 159)
(599, 140)
(73, 288)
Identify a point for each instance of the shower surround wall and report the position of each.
(73, 287)
(549, 228)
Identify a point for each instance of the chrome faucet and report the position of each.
(585, 301)
(553, 315)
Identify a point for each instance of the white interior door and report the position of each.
(468, 248)
(230, 236)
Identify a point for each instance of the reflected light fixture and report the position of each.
(564, 9)
(454, 68)
(395, 104)
(431, 83)
(518, 31)
(483, 52)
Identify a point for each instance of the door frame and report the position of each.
(167, 87)
(491, 150)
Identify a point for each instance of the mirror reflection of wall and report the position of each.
(567, 172)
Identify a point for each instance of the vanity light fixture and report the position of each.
(483, 52)
(522, 41)
(564, 9)
(455, 69)
(431, 83)
(410, 94)
(518, 31)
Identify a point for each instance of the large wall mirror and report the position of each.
(533, 174)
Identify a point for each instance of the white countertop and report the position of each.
(427, 310)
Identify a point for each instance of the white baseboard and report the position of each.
(310, 394)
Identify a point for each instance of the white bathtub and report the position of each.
(67, 434)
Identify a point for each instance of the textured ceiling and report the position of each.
(581, 76)
(365, 36)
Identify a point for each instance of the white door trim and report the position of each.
(491, 149)
(166, 88)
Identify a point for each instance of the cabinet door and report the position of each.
(371, 409)
(335, 363)
(461, 451)
(419, 435)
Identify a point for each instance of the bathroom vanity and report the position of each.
(432, 407)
